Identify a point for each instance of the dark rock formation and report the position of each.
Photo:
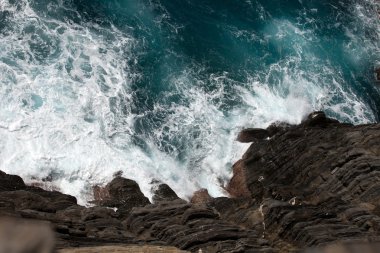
(192, 228)
(201, 197)
(277, 127)
(316, 183)
(11, 182)
(74, 225)
(15, 196)
(252, 134)
(310, 185)
(122, 193)
(163, 192)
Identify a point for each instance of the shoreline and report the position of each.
(296, 187)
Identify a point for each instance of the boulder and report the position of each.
(163, 192)
(124, 194)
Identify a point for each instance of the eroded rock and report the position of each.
(162, 192)
(311, 182)
(123, 194)
(201, 197)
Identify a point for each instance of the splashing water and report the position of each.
(159, 89)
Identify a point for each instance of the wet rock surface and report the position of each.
(123, 194)
(316, 183)
(163, 192)
(311, 185)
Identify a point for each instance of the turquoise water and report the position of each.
(160, 88)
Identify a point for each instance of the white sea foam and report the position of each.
(54, 103)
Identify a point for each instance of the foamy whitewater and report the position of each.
(159, 89)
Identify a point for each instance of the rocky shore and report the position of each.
(313, 185)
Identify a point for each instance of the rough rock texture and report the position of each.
(201, 197)
(252, 134)
(316, 184)
(193, 228)
(16, 196)
(163, 192)
(123, 249)
(122, 193)
(74, 225)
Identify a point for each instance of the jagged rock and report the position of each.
(11, 182)
(302, 159)
(252, 134)
(201, 197)
(124, 194)
(163, 192)
(313, 184)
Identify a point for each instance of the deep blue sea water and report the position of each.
(160, 88)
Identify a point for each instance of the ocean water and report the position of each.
(159, 89)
